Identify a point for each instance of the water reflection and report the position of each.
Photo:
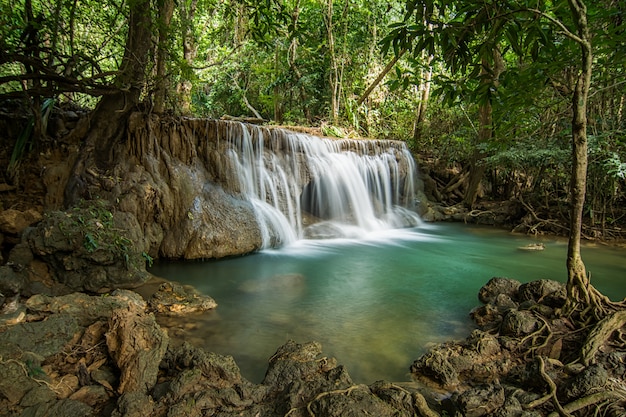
(376, 303)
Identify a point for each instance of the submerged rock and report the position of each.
(178, 300)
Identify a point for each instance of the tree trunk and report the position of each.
(578, 282)
(109, 119)
(166, 10)
(187, 13)
(490, 75)
(334, 66)
(423, 104)
(380, 77)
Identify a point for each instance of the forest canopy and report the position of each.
(480, 89)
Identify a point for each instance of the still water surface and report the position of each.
(374, 304)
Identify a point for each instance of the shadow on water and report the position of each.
(376, 303)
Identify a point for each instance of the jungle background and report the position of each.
(480, 91)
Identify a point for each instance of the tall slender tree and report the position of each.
(466, 31)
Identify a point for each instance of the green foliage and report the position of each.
(275, 57)
(148, 258)
(25, 140)
(93, 223)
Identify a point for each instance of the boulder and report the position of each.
(14, 222)
(480, 401)
(94, 248)
(11, 282)
(137, 344)
(497, 286)
(536, 291)
(177, 300)
(479, 358)
(591, 378)
(85, 308)
(42, 338)
(518, 323)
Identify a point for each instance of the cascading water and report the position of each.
(303, 186)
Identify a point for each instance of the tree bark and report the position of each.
(166, 10)
(490, 75)
(423, 104)
(380, 77)
(334, 66)
(578, 283)
(109, 119)
(187, 13)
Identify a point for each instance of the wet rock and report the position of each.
(480, 401)
(497, 286)
(479, 358)
(536, 291)
(203, 383)
(137, 344)
(518, 323)
(294, 363)
(351, 402)
(20, 256)
(504, 302)
(41, 394)
(487, 316)
(43, 338)
(393, 394)
(178, 300)
(219, 370)
(591, 378)
(14, 381)
(515, 399)
(134, 404)
(14, 221)
(94, 249)
(62, 408)
(86, 308)
(11, 282)
(212, 224)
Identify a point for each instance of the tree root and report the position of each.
(586, 402)
(600, 334)
(422, 406)
(539, 222)
(420, 402)
(589, 304)
(536, 334)
(542, 369)
(346, 391)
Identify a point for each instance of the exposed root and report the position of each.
(586, 304)
(600, 334)
(422, 406)
(419, 401)
(542, 369)
(539, 222)
(346, 391)
(587, 401)
(534, 346)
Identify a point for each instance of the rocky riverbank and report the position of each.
(73, 343)
(78, 339)
(105, 355)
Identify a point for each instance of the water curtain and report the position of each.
(303, 186)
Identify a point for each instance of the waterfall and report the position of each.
(303, 186)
